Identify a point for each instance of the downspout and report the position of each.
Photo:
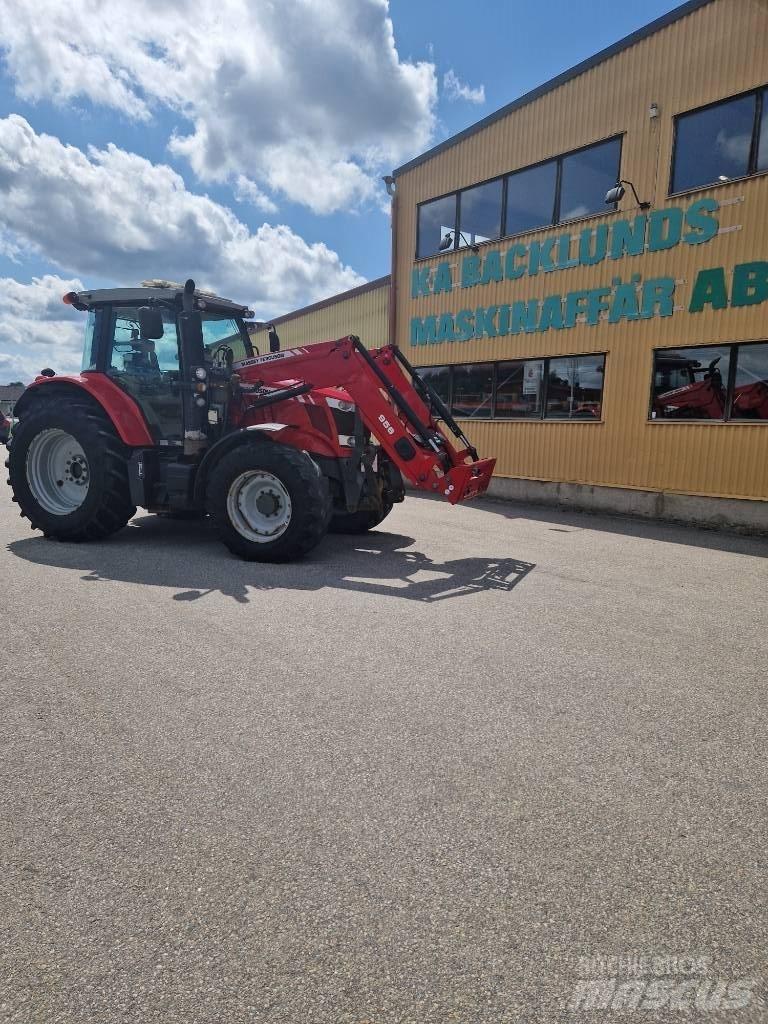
(389, 181)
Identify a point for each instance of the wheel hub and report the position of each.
(57, 472)
(259, 506)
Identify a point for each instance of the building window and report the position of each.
(439, 379)
(749, 400)
(569, 388)
(473, 390)
(714, 382)
(436, 220)
(575, 388)
(722, 141)
(519, 389)
(586, 176)
(480, 213)
(531, 198)
(569, 186)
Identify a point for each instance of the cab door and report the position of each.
(148, 370)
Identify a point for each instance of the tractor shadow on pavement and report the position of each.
(188, 558)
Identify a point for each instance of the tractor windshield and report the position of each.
(223, 335)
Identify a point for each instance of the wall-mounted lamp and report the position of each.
(447, 242)
(617, 193)
(653, 110)
(389, 181)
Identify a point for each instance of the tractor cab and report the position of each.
(155, 341)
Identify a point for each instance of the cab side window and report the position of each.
(130, 353)
(148, 369)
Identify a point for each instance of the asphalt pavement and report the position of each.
(440, 773)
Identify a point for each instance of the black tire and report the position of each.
(360, 522)
(309, 498)
(107, 506)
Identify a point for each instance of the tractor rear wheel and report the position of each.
(360, 522)
(270, 503)
(68, 471)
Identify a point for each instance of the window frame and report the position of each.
(752, 170)
(542, 416)
(435, 199)
(557, 159)
(733, 357)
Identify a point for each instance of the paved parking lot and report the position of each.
(415, 778)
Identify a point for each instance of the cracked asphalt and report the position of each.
(421, 776)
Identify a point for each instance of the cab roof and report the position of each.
(158, 291)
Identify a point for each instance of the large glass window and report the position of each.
(750, 387)
(480, 213)
(436, 220)
(575, 387)
(762, 148)
(531, 198)
(691, 383)
(439, 379)
(473, 390)
(519, 389)
(720, 142)
(564, 188)
(564, 388)
(586, 176)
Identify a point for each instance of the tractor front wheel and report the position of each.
(360, 522)
(68, 471)
(270, 503)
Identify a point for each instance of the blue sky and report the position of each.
(285, 116)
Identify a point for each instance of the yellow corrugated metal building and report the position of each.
(361, 311)
(610, 355)
(540, 224)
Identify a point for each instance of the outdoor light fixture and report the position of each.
(447, 242)
(653, 110)
(616, 194)
(389, 181)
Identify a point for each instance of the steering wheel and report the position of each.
(223, 357)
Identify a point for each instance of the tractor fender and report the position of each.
(123, 412)
(258, 432)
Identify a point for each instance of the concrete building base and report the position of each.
(716, 513)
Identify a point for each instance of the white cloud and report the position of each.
(37, 329)
(115, 215)
(455, 89)
(309, 98)
(247, 191)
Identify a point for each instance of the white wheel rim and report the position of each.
(259, 506)
(57, 472)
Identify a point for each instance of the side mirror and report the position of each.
(614, 195)
(150, 323)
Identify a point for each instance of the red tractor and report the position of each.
(175, 412)
(707, 398)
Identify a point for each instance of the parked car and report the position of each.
(5, 427)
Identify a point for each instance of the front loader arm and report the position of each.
(398, 409)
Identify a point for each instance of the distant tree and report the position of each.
(14, 384)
